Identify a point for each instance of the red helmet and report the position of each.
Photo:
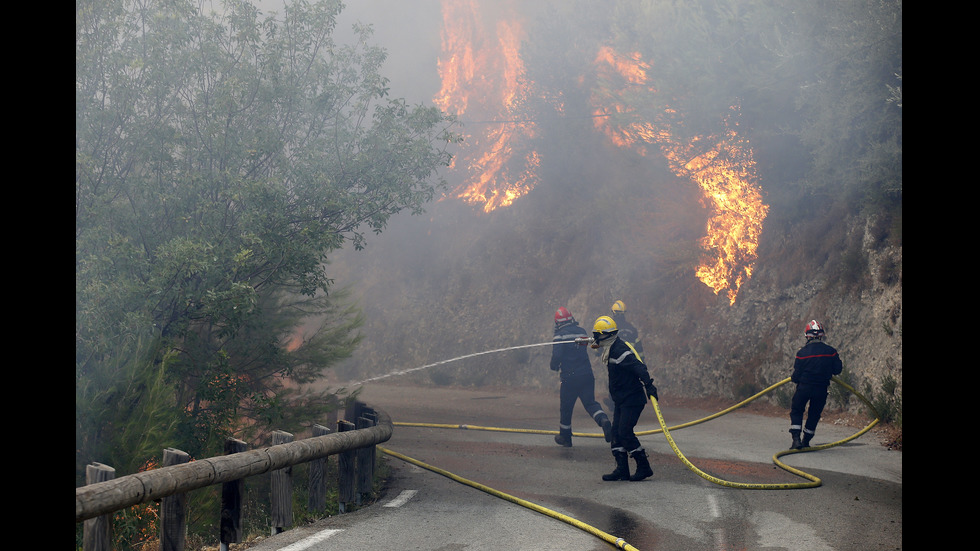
(562, 315)
(813, 330)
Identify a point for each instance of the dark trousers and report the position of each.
(573, 390)
(816, 396)
(624, 420)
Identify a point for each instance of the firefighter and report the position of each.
(813, 368)
(630, 386)
(575, 373)
(627, 331)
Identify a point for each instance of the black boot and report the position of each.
(806, 439)
(622, 471)
(796, 440)
(603, 421)
(643, 469)
(564, 438)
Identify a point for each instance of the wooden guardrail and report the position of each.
(104, 495)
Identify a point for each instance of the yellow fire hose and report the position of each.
(619, 542)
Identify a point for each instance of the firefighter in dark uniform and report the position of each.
(630, 387)
(571, 360)
(627, 331)
(813, 368)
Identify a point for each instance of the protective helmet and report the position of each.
(813, 330)
(562, 315)
(619, 307)
(604, 328)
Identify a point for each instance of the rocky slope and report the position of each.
(449, 295)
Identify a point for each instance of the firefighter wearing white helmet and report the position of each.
(630, 387)
(575, 373)
(813, 368)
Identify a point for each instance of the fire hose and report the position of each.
(619, 542)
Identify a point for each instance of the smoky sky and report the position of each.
(409, 30)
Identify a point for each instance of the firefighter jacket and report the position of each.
(572, 360)
(629, 378)
(628, 332)
(816, 363)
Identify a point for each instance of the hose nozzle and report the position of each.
(583, 340)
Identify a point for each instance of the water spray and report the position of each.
(579, 341)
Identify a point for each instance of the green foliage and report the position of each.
(783, 397)
(887, 401)
(220, 157)
(124, 415)
(853, 265)
(838, 394)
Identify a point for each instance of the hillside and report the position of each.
(457, 282)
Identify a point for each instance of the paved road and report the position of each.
(857, 508)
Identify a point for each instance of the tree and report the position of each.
(220, 156)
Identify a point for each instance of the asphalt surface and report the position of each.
(858, 505)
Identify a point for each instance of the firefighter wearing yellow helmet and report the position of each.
(630, 387)
(627, 331)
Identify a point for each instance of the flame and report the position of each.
(723, 167)
(483, 76)
(726, 175)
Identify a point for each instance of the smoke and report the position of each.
(410, 32)
(609, 215)
(458, 281)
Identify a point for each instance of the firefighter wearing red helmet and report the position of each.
(571, 360)
(813, 368)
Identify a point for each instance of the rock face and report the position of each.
(751, 344)
(458, 308)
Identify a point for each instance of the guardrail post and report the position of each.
(318, 493)
(282, 489)
(345, 471)
(352, 410)
(371, 414)
(232, 494)
(97, 532)
(173, 509)
(365, 461)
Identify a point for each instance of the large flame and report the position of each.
(722, 166)
(483, 78)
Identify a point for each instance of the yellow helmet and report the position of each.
(604, 328)
(618, 307)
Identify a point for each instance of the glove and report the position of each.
(652, 391)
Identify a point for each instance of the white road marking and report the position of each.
(307, 542)
(719, 533)
(776, 530)
(713, 505)
(401, 499)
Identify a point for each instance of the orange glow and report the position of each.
(483, 78)
(295, 341)
(722, 166)
(726, 176)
